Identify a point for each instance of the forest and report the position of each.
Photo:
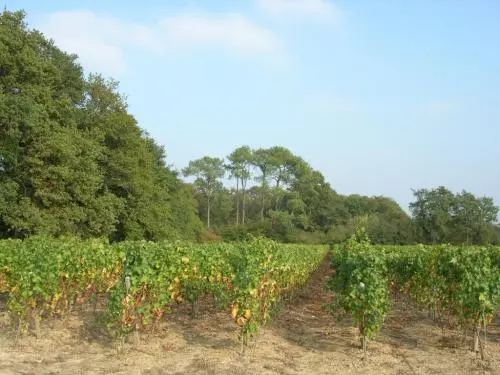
(75, 162)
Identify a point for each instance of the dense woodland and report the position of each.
(73, 161)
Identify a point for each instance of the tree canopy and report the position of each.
(441, 216)
(292, 202)
(74, 161)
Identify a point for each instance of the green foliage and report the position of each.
(184, 219)
(157, 273)
(208, 172)
(360, 283)
(300, 206)
(239, 167)
(74, 162)
(441, 216)
(46, 276)
(72, 159)
(456, 283)
(264, 272)
(221, 208)
(461, 282)
(142, 279)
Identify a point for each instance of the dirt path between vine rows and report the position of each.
(301, 339)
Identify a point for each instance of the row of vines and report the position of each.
(140, 280)
(459, 285)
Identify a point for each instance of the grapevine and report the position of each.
(361, 285)
(140, 280)
(456, 283)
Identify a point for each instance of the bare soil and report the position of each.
(301, 339)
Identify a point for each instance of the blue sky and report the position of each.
(380, 96)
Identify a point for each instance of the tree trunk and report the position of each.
(363, 338)
(195, 308)
(276, 198)
(264, 183)
(137, 336)
(478, 345)
(476, 338)
(484, 328)
(237, 201)
(208, 212)
(35, 318)
(243, 205)
(365, 346)
(262, 205)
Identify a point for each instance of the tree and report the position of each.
(233, 173)
(133, 164)
(472, 216)
(431, 213)
(441, 216)
(208, 172)
(184, 217)
(49, 167)
(239, 167)
(262, 161)
(73, 161)
(323, 206)
(283, 164)
(221, 208)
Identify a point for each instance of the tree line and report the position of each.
(441, 216)
(291, 202)
(74, 161)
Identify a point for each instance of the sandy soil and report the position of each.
(301, 339)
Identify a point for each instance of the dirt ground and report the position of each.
(301, 339)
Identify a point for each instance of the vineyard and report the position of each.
(459, 285)
(141, 280)
(134, 288)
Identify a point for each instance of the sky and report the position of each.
(380, 96)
